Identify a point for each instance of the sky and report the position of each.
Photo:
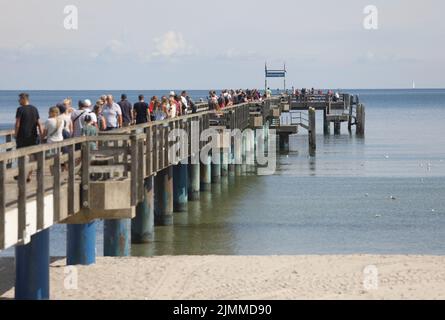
(203, 44)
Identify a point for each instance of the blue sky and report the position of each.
(199, 44)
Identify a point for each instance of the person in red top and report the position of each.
(152, 104)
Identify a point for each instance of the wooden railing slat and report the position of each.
(21, 225)
(57, 183)
(71, 165)
(40, 190)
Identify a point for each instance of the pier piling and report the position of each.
(180, 192)
(360, 127)
(206, 175)
(32, 268)
(337, 127)
(142, 226)
(194, 182)
(117, 238)
(326, 123)
(81, 244)
(216, 167)
(312, 132)
(164, 197)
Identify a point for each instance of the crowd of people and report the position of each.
(229, 98)
(301, 94)
(65, 121)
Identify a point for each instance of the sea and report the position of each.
(380, 194)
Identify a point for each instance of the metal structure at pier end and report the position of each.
(277, 73)
(133, 180)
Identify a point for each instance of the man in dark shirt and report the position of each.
(127, 111)
(27, 122)
(141, 111)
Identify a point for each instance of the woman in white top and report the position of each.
(65, 115)
(54, 126)
(172, 111)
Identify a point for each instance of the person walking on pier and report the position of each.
(173, 110)
(127, 111)
(54, 126)
(141, 111)
(101, 125)
(78, 117)
(89, 130)
(27, 126)
(112, 114)
(160, 111)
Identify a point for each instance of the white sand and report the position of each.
(219, 277)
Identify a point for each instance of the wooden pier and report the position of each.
(134, 178)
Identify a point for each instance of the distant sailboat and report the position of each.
(414, 85)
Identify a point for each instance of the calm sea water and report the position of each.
(338, 202)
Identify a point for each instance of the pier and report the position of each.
(139, 176)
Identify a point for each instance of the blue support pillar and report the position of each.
(142, 226)
(81, 244)
(32, 268)
(117, 240)
(164, 197)
(206, 175)
(180, 188)
(194, 182)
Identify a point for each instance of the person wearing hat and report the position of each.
(77, 117)
(89, 130)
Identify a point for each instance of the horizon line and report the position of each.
(217, 89)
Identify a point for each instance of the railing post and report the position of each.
(85, 182)
(8, 139)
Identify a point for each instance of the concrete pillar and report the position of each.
(225, 162)
(312, 132)
(32, 268)
(117, 238)
(142, 226)
(164, 197)
(326, 124)
(216, 168)
(194, 182)
(284, 142)
(244, 156)
(360, 126)
(231, 158)
(250, 153)
(81, 244)
(337, 127)
(206, 175)
(238, 157)
(180, 188)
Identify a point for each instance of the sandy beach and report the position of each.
(225, 277)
